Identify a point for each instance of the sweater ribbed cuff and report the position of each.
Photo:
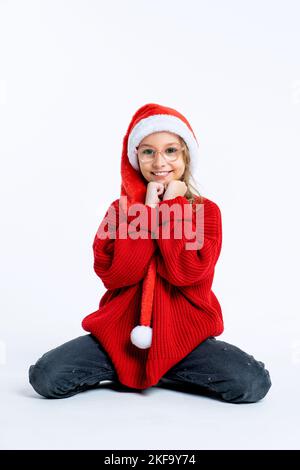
(156, 217)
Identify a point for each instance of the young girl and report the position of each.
(157, 321)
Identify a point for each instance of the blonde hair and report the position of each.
(192, 193)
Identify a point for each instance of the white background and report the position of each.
(72, 74)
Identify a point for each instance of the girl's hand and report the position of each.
(154, 189)
(175, 188)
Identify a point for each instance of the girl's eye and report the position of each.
(147, 150)
(172, 148)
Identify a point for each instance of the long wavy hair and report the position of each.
(193, 195)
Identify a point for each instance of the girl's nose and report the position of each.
(159, 161)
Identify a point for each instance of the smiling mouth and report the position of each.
(163, 173)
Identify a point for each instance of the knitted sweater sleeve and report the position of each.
(118, 261)
(177, 264)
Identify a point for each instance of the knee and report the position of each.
(43, 380)
(251, 386)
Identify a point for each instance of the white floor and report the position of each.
(156, 418)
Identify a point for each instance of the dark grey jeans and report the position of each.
(214, 368)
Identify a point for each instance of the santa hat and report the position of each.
(149, 118)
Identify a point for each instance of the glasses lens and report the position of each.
(171, 153)
(146, 154)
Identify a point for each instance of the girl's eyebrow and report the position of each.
(149, 145)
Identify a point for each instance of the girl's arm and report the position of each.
(121, 262)
(176, 264)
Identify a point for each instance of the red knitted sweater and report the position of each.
(185, 309)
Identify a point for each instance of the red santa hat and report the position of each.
(155, 118)
(149, 118)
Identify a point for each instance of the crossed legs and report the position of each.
(215, 367)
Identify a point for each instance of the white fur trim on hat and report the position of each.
(159, 123)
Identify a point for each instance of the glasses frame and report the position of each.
(158, 151)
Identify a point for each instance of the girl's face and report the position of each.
(164, 142)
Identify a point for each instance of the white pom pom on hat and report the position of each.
(141, 336)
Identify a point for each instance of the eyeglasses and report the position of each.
(147, 155)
